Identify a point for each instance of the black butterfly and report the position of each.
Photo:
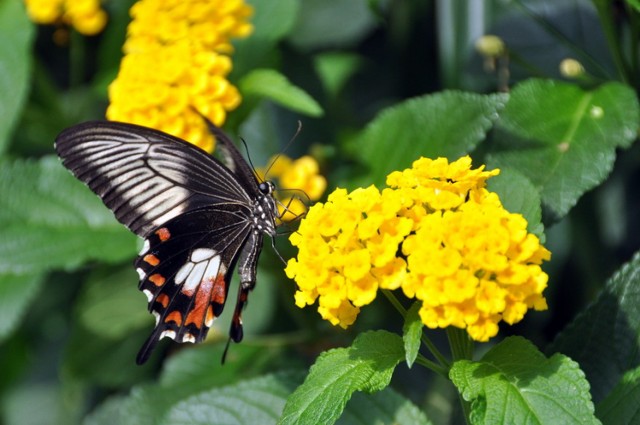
(199, 219)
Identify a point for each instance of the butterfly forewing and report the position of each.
(198, 217)
(144, 176)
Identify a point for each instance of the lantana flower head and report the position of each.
(437, 234)
(176, 65)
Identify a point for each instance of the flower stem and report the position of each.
(461, 349)
(394, 302)
(460, 343)
(440, 370)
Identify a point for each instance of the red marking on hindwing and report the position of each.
(207, 291)
(163, 299)
(163, 234)
(151, 259)
(174, 316)
(157, 279)
(218, 292)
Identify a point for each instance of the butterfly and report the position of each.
(199, 217)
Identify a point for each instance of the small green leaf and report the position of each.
(272, 85)
(16, 293)
(384, 407)
(365, 366)
(515, 383)
(16, 33)
(518, 195)
(621, 405)
(48, 219)
(614, 316)
(564, 138)
(335, 69)
(411, 333)
(448, 124)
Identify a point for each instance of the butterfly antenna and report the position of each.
(286, 147)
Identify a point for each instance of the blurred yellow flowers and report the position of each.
(436, 233)
(86, 16)
(176, 63)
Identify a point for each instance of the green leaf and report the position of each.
(614, 317)
(270, 84)
(518, 195)
(411, 333)
(384, 407)
(16, 33)
(48, 219)
(257, 401)
(447, 124)
(111, 304)
(332, 23)
(365, 366)
(635, 4)
(621, 406)
(515, 383)
(16, 293)
(563, 138)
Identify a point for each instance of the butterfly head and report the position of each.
(267, 187)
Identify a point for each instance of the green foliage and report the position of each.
(16, 34)
(515, 383)
(447, 124)
(613, 316)
(376, 85)
(563, 138)
(365, 366)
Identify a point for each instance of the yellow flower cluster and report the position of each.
(302, 174)
(86, 16)
(176, 63)
(435, 232)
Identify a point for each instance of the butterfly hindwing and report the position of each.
(185, 267)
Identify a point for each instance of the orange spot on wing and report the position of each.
(151, 259)
(163, 299)
(174, 316)
(157, 279)
(163, 234)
